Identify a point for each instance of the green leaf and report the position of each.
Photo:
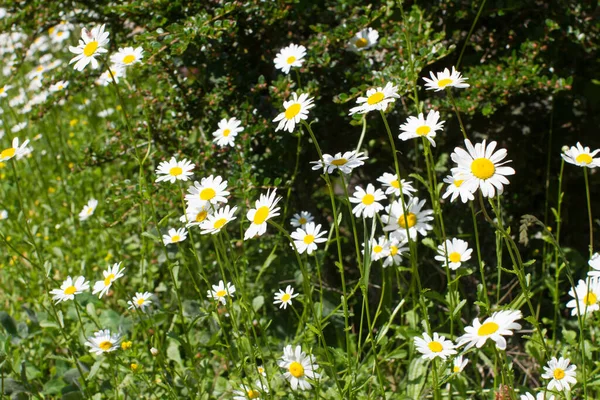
(258, 302)
(8, 323)
(417, 375)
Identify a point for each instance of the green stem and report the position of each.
(589, 208)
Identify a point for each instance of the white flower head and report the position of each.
(299, 367)
(283, 298)
(228, 130)
(58, 86)
(103, 342)
(344, 162)
(301, 219)
(140, 300)
(250, 392)
(436, 346)
(415, 221)
(69, 288)
(306, 238)
(539, 396)
(90, 45)
(458, 364)
(395, 249)
(367, 201)
(220, 292)
(195, 214)
(110, 275)
(15, 150)
(265, 209)
(173, 170)
(392, 185)
(290, 56)
(457, 188)
(445, 79)
(498, 325)
(88, 210)
(588, 296)
(296, 110)
(174, 236)
(112, 75)
(127, 56)
(581, 156)
(376, 99)
(217, 221)
(454, 252)
(210, 190)
(561, 373)
(363, 40)
(379, 248)
(415, 127)
(594, 264)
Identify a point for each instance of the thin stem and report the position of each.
(470, 33)
(462, 127)
(589, 207)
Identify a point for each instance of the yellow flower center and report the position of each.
(296, 369)
(60, 33)
(286, 297)
(377, 249)
(308, 239)
(39, 68)
(292, 110)
(458, 182)
(175, 171)
(444, 82)
(362, 42)
(219, 223)
(140, 301)
(339, 162)
(253, 394)
(368, 199)
(226, 132)
(106, 345)
(375, 98)
(482, 168)
(290, 59)
(221, 293)
(488, 328)
(89, 210)
(60, 87)
(302, 221)
(590, 299)
(393, 250)
(70, 290)
(201, 216)
(128, 59)
(50, 31)
(559, 374)
(1, 90)
(395, 184)
(261, 215)
(73, 122)
(436, 347)
(8, 153)
(454, 257)
(584, 158)
(423, 130)
(207, 193)
(175, 238)
(90, 48)
(456, 369)
(407, 221)
(109, 279)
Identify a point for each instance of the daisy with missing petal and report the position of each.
(15, 150)
(396, 248)
(195, 214)
(367, 202)
(250, 393)
(588, 297)
(220, 292)
(88, 209)
(174, 236)
(498, 325)
(103, 342)
(376, 99)
(434, 347)
(458, 364)
(211, 189)
(296, 109)
(298, 367)
(344, 162)
(127, 56)
(379, 248)
(90, 45)
(140, 300)
(288, 57)
(215, 222)
(415, 127)
(306, 238)
(110, 275)
(228, 130)
(112, 75)
(458, 251)
(482, 167)
(594, 264)
(392, 185)
(69, 289)
(415, 221)
(581, 156)
(445, 80)
(363, 40)
(284, 298)
(265, 209)
(456, 188)
(58, 86)
(174, 170)
(562, 374)
(539, 396)
(301, 219)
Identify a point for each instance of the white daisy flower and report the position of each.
(421, 127)
(298, 367)
(215, 222)
(15, 150)
(498, 325)
(61, 32)
(110, 275)
(250, 393)
(458, 364)
(392, 185)
(88, 209)
(127, 56)
(306, 238)
(284, 298)
(344, 162)
(174, 170)
(458, 251)
(456, 188)
(90, 45)
(445, 79)
(296, 109)
(588, 297)
(195, 214)
(367, 202)
(482, 168)
(594, 263)
(376, 99)
(3, 214)
(106, 113)
(539, 396)
(562, 374)
(581, 156)
(174, 236)
(211, 189)
(103, 342)
(395, 250)
(438, 346)
(18, 127)
(416, 220)
(117, 71)
(69, 289)
(261, 370)
(228, 130)
(5, 89)
(379, 248)
(301, 219)
(265, 209)
(363, 40)
(288, 57)
(140, 300)
(58, 86)
(219, 292)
